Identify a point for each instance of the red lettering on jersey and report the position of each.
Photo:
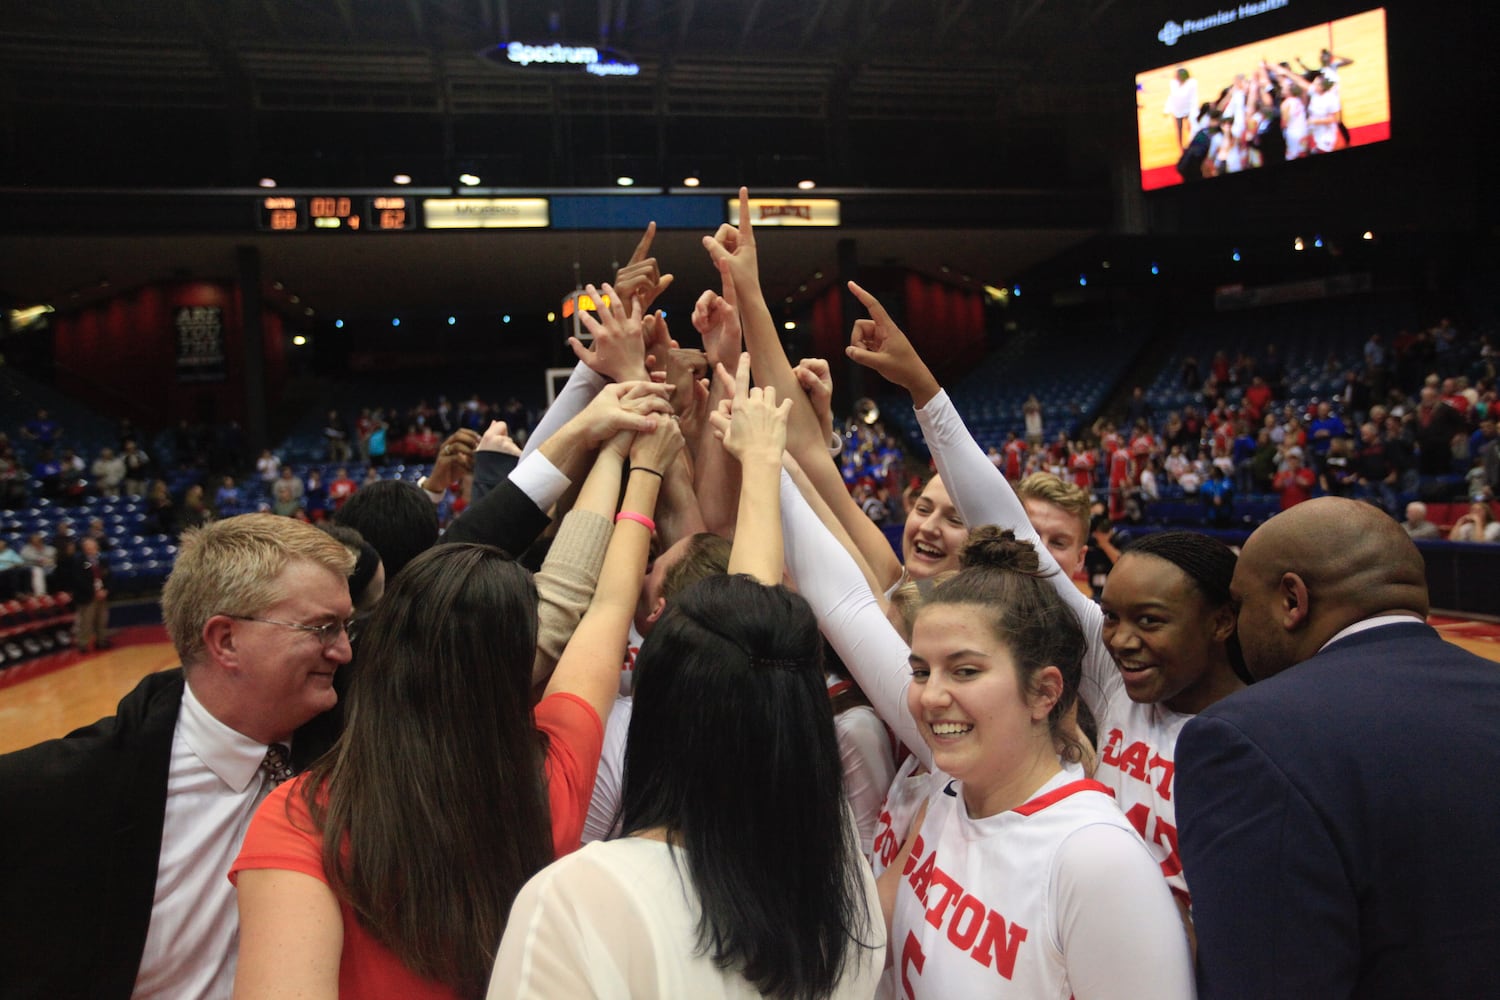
(993, 948)
(963, 936)
(921, 879)
(1167, 770)
(911, 956)
(1133, 762)
(885, 846)
(911, 859)
(630, 655)
(951, 891)
(1155, 830)
(1138, 761)
(1111, 752)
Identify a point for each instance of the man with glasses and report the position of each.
(119, 836)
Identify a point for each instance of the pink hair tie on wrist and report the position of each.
(630, 515)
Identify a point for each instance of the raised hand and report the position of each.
(879, 344)
(733, 251)
(717, 320)
(497, 437)
(658, 338)
(455, 459)
(619, 349)
(641, 278)
(814, 378)
(657, 449)
(684, 368)
(639, 406)
(752, 425)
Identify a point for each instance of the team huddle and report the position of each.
(830, 771)
(1267, 114)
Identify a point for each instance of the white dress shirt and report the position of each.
(214, 785)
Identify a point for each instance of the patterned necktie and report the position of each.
(277, 765)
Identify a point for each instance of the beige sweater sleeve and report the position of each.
(565, 584)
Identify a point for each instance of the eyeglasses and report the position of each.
(327, 634)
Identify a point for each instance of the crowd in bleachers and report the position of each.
(1345, 412)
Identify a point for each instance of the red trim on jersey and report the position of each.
(834, 690)
(1041, 802)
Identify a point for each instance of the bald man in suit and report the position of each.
(1340, 819)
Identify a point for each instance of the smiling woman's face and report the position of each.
(934, 535)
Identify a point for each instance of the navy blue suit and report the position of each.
(1340, 825)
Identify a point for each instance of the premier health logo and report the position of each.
(1172, 31)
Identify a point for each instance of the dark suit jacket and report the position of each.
(1340, 825)
(82, 825)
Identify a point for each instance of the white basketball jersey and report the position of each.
(1137, 744)
(972, 916)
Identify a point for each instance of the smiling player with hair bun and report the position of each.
(1020, 873)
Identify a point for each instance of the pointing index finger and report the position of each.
(643, 248)
(742, 377)
(871, 303)
(747, 231)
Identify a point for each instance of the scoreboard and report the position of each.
(291, 214)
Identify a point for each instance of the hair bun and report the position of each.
(993, 548)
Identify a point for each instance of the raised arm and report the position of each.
(590, 665)
(753, 429)
(734, 253)
(978, 489)
(849, 615)
(569, 575)
(715, 476)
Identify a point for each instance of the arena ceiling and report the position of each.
(905, 95)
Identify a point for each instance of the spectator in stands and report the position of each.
(1294, 482)
(85, 575)
(1151, 480)
(289, 480)
(1031, 414)
(1218, 498)
(336, 438)
(13, 483)
(100, 534)
(1416, 524)
(36, 552)
(160, 515)
(1139, 407)
(1484, 436)
(121, 834)
(48, 471)
(227, 498)
(195, 512)
(267, 466)
(1437, 423)
(1338, 477)
(137, 467)
(376, 443)
(1478, 525)
(283, 502)
(1400, 449)
(17, 576)
(341, 488)
(1326, 426)
(108, 471)
(42, 429)
(1375, 475)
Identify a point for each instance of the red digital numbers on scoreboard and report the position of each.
(285, 214)
(390, 212)
(281, 214)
